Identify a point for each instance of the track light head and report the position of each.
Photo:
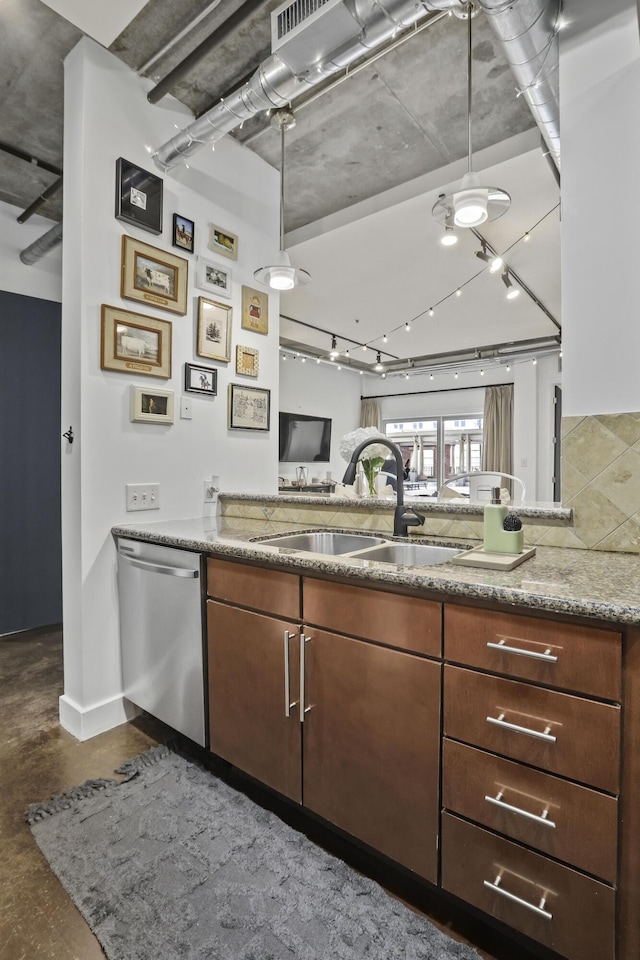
(512, 292)
(378, 365)
(482, 254)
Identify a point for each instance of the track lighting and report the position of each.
(449, 238)
(334, 348)
(384, 339)
(512, 292)
(496, 264)
(378, 365)
(482, 254)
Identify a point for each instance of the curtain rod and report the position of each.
(418, 393)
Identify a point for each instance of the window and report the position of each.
(439, 448)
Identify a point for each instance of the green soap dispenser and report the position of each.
(494, 514)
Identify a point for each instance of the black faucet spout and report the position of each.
(402, 519)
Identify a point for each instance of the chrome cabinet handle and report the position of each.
(287, 680)
(547, 656)
(538, 818)
(539, 735)
(539, 910)
(303, 709)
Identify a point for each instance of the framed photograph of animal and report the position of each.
(200, 379)
(138, 196)
(153, 276)
(183, 233)
(132, 343)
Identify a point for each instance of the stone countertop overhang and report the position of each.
(587, 583)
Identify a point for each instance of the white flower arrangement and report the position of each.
(376, 453)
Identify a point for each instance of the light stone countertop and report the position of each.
(586, 583)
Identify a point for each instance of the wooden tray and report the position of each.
(478, 557)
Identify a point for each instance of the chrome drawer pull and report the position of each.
(501, 722)
(287, 682)
(539, 910)
(303, 709)
(499, 802)
(547, 656)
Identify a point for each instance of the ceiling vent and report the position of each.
(305, 32)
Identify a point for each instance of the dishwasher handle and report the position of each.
(162, 568)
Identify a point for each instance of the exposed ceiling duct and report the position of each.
(43, 245)
(316, 38)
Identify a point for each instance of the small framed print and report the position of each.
(213, 277)
(133, 343)
(148, 405)
(255, 310)
(247, 361)
(138, 196)
(200, 379)
(248, 407)
(223, 242)
(214, 330)
(153, 276)
(183, 233)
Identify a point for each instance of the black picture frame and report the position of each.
(183, 233)
(248, 408)
(207, 377)
(138, 196)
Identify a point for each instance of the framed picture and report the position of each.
(149, 405)
(200, 379)
(248, 407)
(183, 232)
(223, 242)
(247, 361)
(213, 277)
(131, 342)
(138, 196)
(153, 276)
(255, 310)
(214, 330)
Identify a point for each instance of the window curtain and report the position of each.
(370, 413)
(497, 448)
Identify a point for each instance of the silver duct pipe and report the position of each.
(275, 84)
(528, 33)
(43, 245)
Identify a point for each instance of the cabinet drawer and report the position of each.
(567, 821)
(584, 659)
(406, 622)
(555, 905)
(254, 587)
(569, 735)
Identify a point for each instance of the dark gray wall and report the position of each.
(30, 442)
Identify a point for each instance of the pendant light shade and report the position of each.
(281, 275)
(472, 203)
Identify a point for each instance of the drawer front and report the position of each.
(564, 734)
(556, 654)
(255, 587)
(409, 623)
(567, 821)
(553, 904)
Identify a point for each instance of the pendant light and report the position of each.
(472, 204)
(282, 275)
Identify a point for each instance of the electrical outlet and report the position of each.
(211, 489)
(143, 496)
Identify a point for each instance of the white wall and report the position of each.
(321, 390)
(232, 188)
(43, 279)
(600, 103)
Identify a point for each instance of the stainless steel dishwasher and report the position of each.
(161, 634)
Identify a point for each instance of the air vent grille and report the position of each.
(294, 14)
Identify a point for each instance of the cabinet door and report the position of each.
(371, 745)
(247, 683)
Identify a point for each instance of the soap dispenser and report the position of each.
(494, 514)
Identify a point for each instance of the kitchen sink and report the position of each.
(411, 554)
(324, 541)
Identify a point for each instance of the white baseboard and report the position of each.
(86, 722)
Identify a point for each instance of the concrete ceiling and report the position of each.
(388, 129)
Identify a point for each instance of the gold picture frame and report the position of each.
(153, 276)
(133, 343)
(223, 242)
(214, 329)
(247, 361)
(255, 310)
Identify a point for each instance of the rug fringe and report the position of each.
(62, 801)
(131, 768)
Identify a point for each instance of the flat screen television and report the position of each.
(304, 439)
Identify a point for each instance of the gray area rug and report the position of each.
(174, 863)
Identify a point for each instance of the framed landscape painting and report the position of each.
(153, 276)
(133, 343)
(214, 330)
(138, 196)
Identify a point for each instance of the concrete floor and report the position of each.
(38, 759)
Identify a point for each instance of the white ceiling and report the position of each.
(103, 21)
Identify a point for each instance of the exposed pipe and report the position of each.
(203, 49)
(16, 152)
(177, 38)
(43, 245)
(40, 201)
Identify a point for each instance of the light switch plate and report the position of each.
(143, 496)
(185, 408)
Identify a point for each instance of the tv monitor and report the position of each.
(304, 439)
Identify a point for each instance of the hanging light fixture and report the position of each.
(449, 238)
(378, 365)
(472, 203)
(334, 348)
(282, 275)
(512, 292)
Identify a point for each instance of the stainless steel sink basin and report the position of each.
(325, 541)
(411, 554)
